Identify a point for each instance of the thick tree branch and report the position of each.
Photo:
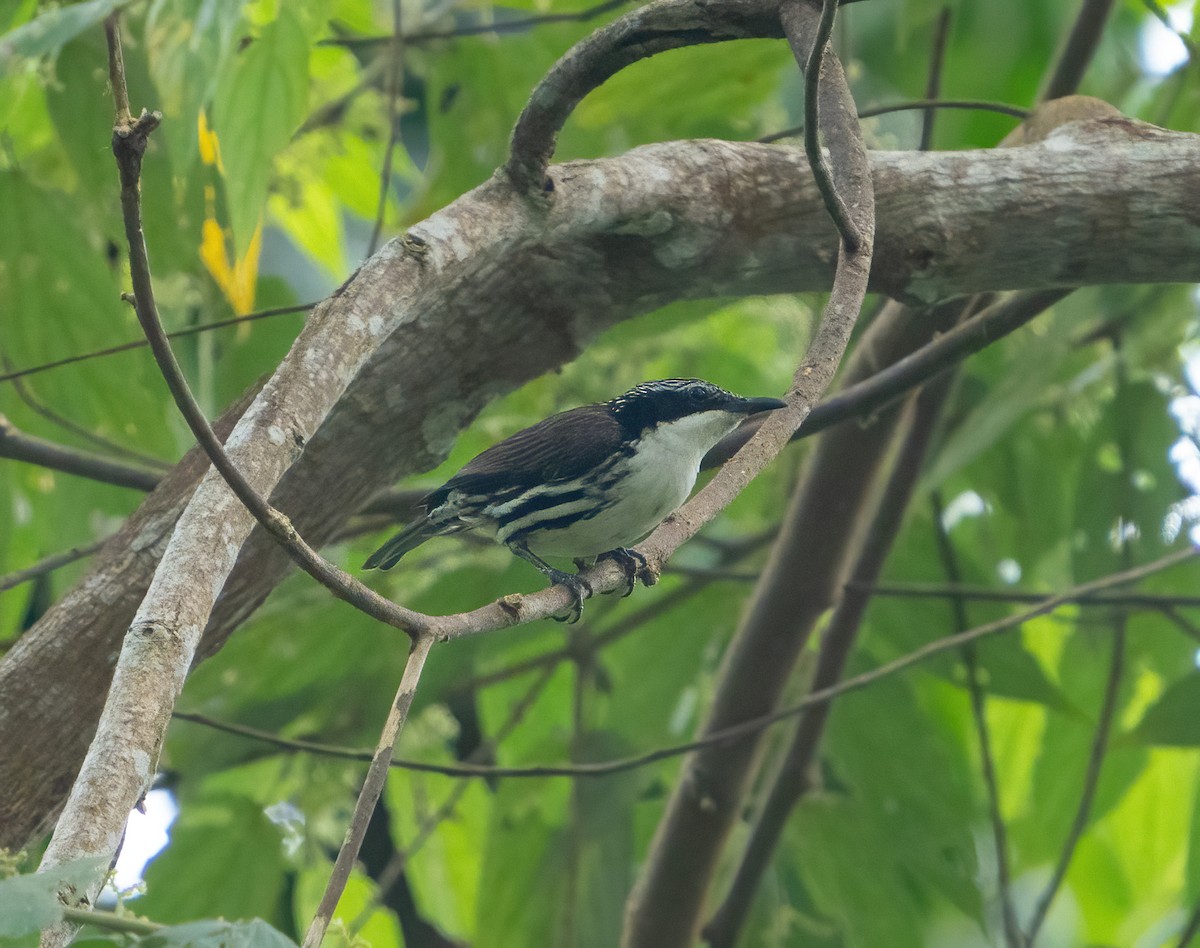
(621, 237)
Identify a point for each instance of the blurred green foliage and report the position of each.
(895, 848)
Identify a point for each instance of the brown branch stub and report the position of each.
(129, 143)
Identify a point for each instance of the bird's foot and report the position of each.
(632, 563)
(580, 589)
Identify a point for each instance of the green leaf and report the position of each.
(54, 28)
(258, 104)
(230, 853)
(1174, 719)
(29, 903)
(217, 933)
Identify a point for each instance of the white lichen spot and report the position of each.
(375, 325)
(141, 765)
(276, 435)
(1061, 139)
(651, 225)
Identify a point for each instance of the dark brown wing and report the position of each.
(561, 447)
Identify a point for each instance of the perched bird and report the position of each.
(584, 483)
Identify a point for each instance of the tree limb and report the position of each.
(622, 236)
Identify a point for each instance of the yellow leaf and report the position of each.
(238, 279)
(210, 145)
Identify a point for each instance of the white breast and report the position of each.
(660, 475)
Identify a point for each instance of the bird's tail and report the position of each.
(407, 539)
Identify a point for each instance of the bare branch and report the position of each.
(916, 368)
(514, 25)
(49, 565)
(400, 859)
(104, 444)
(10, 374)
(926, 105)
(639, 34)
(19, 446)
(664, 908)
(372, 787)
(395, 80)
(1079, 48)
(949, 557)
(737, 733)
(809, 49)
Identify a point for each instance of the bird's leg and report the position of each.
(579, 586)
(632, 563)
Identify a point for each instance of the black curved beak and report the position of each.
(752, 406)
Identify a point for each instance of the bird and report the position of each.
(586, 483)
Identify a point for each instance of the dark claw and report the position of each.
(631, 562)
(579, 587)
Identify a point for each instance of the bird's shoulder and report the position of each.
(563, 446)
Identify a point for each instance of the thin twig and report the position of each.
(949, 557)
(1158, 601)
(19, 446)
(395, 78)
(142, 343)
(1116, 670)
(912, 105)
(49, 565)
(116, 72)
(477, 29)
(39, 407)
(1078, 49)
(400, 858)
(1190, 929)
(742, 729)
(834, 202)
(129, 145)
(880, 389)
(1164, 18)
(108, 921)
(933, 84)
(372, 787)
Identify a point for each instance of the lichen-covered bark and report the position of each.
(1100, 202)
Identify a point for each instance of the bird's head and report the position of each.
(691, 408)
